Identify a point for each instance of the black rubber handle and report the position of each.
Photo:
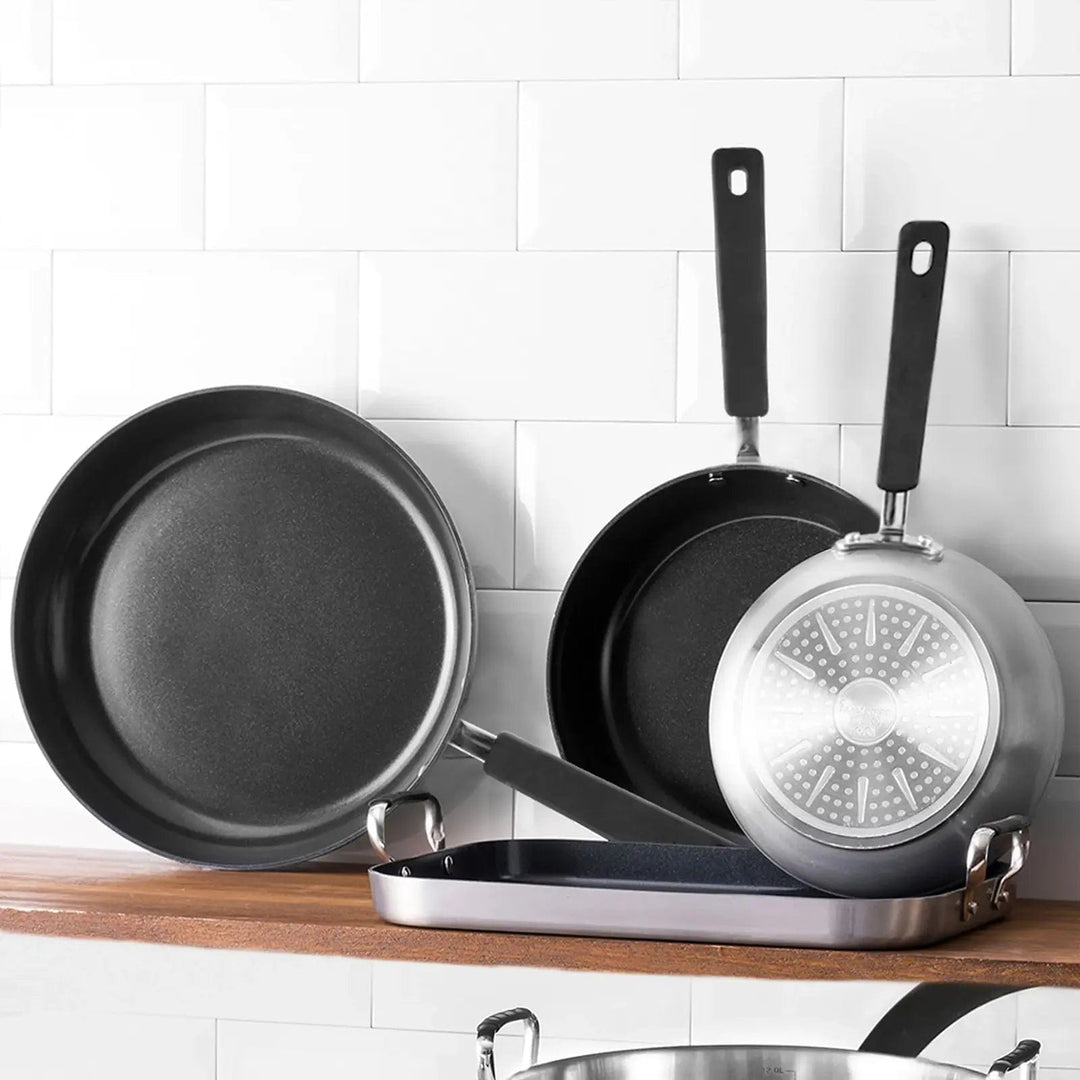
(916, 313)
(740, 278)
(926, 1011)
(603, 807)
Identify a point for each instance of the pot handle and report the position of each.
(916, 314)
(740, 278)
(926, 1011)
(381, 808)
(485, 1040)
(1024, 1056)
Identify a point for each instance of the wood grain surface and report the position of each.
(327, 909)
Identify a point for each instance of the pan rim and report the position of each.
(462, 591)
(567, 596)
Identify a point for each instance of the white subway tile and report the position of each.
(154, 41)
(101, 166)
(1044, 387)
(978, 1038)
(35, 452)
(509, 688)
(59, 1046)
(789, 1013)
(626, 165)
(1045, 37)
(527, 336)
(1062, 625)
(58, 974)
(573, 478)
(36, 808)
(374, 166)
(13, 726)
(528, 39)
(247, 1051)
(569, 1004)
(1049, 1014)
(534, 821)
(994, 494)
(1053, 869)
(791, 38)
(828, 345)
(952, 149)
(471, 464)
(25, 313)
(131, 329)
(25, 31)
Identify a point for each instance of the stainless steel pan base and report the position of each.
(677, 893)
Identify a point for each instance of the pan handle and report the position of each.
(485, 1040)
(740, 285)
(916, 314)
(605, 808)
(380, 809)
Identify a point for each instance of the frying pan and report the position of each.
(652, 602)
(242, 615)
(883, 698)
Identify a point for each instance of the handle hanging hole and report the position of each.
(737, 181)
(922, 258)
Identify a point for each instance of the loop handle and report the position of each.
(379, 809)
(489, 1028)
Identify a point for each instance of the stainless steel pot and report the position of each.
(732, 1062)
(884, 698)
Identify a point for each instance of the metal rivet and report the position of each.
(791, 478)
(716, 478)
(448, 864)
(972, 907)
(406, 872)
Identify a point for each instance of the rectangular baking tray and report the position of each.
(678, 893)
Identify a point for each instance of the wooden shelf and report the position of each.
(327, 909)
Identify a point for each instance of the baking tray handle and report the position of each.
(485, 1040)
(380, 809)
(1015, 828)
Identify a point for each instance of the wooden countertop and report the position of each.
(327, 909)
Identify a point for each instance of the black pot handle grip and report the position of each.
(925, 1012)
(916, 314)
(740, 278)
(603, 807)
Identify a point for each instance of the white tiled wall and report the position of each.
(486, 224)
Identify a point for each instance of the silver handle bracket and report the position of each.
(381, 808)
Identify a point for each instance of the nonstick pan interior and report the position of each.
(650, 607)
(242, 615)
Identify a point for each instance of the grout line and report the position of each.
(52, 42)
(675, 396)
(513, 520)
(205, 141)
(216, 1036)
(843, 158)
(678, 39)
(1008, 339)
(359, 40)
(52, 330)
(517, 167)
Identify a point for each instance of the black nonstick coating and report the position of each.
(649, 608)
(242, 615)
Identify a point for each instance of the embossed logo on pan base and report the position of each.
(865, 712)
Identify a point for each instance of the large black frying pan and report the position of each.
(245, 613)
(650, 606)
